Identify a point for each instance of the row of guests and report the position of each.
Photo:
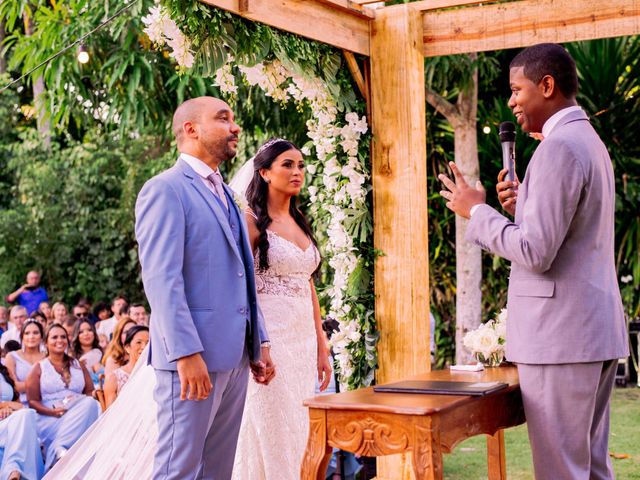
(58, 386)
(60, 409)
(84, 347)
(33, 297)
(103, 316)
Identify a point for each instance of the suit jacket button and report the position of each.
(241, 310)
(241, 274)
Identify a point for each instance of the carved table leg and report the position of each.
(427, 453)
(318, 453)
(496, 456)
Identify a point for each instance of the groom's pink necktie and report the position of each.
(216, 179)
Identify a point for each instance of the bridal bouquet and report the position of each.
(488, 341)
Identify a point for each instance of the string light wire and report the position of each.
(69, 47)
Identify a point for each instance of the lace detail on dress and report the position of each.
(121, 378)
(289, 268)
(282, 286)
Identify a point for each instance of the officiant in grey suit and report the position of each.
(198, 274)
(565, 327)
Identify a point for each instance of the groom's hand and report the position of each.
(263, 370)
(195, 383)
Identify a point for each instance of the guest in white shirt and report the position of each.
(119, 307)
(17, 317)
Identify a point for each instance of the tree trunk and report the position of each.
(39, 93)
(3, 61)
(468, 255)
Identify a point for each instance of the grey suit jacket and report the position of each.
(564, 304)
(199, 284)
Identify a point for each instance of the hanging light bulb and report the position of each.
(83, 54)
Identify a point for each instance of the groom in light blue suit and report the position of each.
(197, 270)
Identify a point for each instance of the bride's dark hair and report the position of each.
(257, 194)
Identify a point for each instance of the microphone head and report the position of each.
(507, 132)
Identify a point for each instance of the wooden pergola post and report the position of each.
(400, 203)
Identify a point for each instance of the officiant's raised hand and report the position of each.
(195, 383)
(460, 196)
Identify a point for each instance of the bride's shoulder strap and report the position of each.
(249, 212)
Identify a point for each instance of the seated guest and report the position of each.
(39, 317)
(115, 355)
(17, 317)
(119, 308)
(136, 339)
(20, 455)
(101, 311)
(69, 324)
(138, 314)
(10, 346)
(59, 388)
(87, 349)
(29, 295)
(45, 308)
(20, 362)
(58, 312)
(103, 342)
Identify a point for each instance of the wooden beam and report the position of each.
(425, 5)
(347, 29)
(527, 22)
(356, 73)
(399, 203)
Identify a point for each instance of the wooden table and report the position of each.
(375, 424)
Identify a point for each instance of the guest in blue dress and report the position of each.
(59, 388)
(22, 361)
(20, 456)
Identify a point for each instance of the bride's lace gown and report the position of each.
(274, 428)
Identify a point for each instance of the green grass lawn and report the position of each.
(469, 459)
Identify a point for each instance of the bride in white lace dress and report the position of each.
(273, 436)
(274, 427)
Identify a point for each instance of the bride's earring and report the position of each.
(267, 180)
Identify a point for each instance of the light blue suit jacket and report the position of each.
(199, 284)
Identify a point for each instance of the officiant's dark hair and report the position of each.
(257, 196)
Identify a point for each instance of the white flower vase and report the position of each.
(493, 360)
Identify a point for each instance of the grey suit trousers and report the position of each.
(198, 439)
(567, 410)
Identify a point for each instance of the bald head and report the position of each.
(33, 278)
(192, 111)
(205, 128)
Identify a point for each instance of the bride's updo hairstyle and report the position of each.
(258, 192)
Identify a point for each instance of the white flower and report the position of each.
(626, 279)
(225, 80)
(486, 342)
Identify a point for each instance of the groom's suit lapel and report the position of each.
(213, 204)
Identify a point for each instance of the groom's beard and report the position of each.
(222, 149)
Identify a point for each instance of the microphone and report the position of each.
(507, 132)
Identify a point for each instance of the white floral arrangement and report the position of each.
(343, 175)
(488, 342)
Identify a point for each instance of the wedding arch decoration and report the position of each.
(288, 68)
